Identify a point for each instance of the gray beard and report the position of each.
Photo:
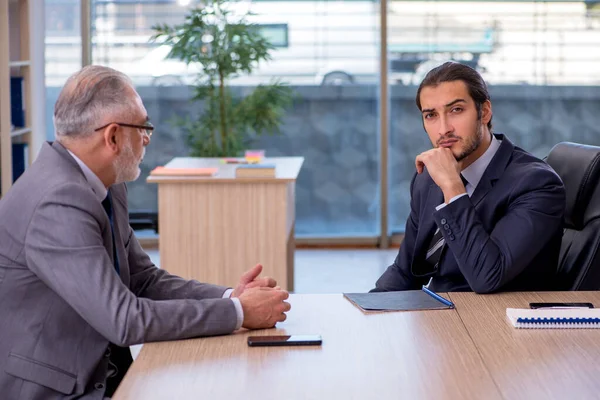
(125, 166)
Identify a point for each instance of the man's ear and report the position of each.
(113, 138)
(486, 112)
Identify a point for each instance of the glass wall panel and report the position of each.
(63, 50)
(326, 51)
(539, 58)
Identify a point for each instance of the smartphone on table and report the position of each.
(561, 305)
(285, 340)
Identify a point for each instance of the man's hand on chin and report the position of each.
(443, 169)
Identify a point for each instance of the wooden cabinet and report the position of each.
(22, 73)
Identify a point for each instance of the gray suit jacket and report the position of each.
(61, 300)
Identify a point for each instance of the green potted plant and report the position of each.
(224, 45)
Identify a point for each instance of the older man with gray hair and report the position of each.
(76, 288)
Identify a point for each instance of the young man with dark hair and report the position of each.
(485, 215)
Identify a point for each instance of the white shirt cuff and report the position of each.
(240, 312)
(437, 208)
(238, 308)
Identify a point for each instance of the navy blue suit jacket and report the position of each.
(506, 236)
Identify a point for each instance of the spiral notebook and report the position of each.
(557, 318)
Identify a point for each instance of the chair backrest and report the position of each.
(579, 168)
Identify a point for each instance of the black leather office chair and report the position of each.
(579, 168)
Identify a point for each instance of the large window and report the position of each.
(539, 58)
(318, 45)
(63, 50)
(63, 40)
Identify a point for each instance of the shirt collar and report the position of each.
(474, 172)
(95, 182)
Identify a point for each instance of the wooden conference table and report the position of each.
(471, 352)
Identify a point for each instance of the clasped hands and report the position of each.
(262, 300)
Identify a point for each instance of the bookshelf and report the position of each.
(21, 85)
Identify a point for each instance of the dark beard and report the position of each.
(474, 144)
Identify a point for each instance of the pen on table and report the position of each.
(438, 297)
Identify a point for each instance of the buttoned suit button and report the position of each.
(443, 221)
(99, 386)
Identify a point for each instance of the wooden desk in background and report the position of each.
(411, 355)
(215, 228)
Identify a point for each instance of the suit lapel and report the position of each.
(482, 189)
(124, 275)
(426, 229)
(494, 170)
(60, 149)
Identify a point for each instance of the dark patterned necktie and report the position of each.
(107, 204)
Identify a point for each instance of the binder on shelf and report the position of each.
(555, 318)
(19, 159)
(17, 103)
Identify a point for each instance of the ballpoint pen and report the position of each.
(438, 297)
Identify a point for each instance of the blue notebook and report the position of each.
(555, 318)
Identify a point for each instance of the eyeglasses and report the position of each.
(146, 128)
